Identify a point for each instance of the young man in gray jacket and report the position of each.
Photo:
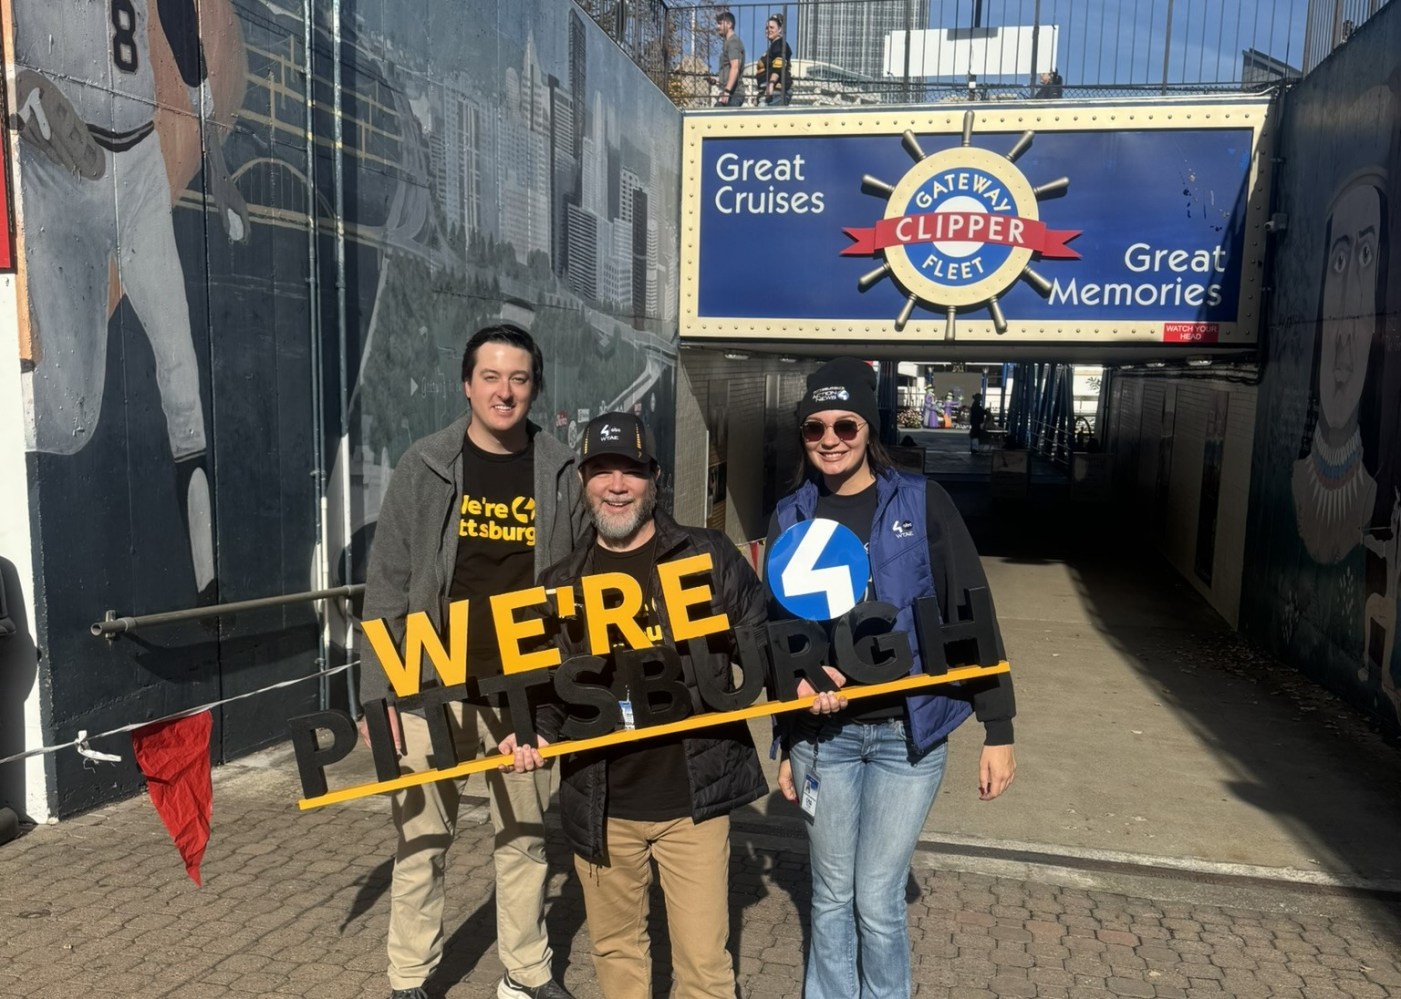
(481, 507)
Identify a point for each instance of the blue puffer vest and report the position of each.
(901, 573)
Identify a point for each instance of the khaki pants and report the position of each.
(426, 820)
(694, 863)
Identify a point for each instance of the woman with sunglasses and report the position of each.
(867, 773)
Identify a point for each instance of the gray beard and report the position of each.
(616, 530)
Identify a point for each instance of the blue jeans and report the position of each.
(874, 793)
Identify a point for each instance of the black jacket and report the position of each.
(721, 764)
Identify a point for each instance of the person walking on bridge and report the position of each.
(773, 71)
(730, 75)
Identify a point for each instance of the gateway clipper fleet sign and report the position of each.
(974, 235)
(1103, 224)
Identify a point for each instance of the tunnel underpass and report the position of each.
(1151, 736)
(1150, 726)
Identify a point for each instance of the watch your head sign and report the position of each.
(1102, 223)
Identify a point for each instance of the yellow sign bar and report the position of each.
(902, 686)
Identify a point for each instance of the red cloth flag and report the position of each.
(174, 756)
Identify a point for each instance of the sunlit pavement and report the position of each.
(295, 904)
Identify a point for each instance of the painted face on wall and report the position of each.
(1349, 304)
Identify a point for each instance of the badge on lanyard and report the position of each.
(809, 801)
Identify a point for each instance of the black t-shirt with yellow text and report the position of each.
(495, 543)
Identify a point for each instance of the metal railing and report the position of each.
(112, 625)
(867, 52)
(1330, 23)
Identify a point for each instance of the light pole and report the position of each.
(1035, 43)
(909, 43)
(1167, 47)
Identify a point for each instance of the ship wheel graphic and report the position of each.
(968, 262)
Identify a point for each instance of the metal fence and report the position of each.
(642, 29)
(1330, 23)
(867, 52)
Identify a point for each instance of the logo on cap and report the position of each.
(608, 432)
(833, 393)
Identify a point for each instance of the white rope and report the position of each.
(81, 742)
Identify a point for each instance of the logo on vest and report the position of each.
(960, 228)
(902, 529)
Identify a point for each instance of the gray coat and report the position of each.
(415, 547)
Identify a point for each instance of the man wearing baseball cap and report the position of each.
(666, 799)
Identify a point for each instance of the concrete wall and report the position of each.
(1182, 455)
(1322, 588)
(25, 787)
(736, 414)
(227, 336)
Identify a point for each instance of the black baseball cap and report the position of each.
(617, 433)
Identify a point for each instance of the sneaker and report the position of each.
(512, 989)
(415, 993)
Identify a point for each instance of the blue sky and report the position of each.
(1122, 41)
(1113, 41)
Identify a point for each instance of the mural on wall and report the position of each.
(1335, 491)
(553, 200)
(134, 130)
(512, 165)
(1326, 479)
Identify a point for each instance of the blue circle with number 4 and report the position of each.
(817, 569)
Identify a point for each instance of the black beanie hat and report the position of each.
(842, 383)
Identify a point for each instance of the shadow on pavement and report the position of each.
(372, 887)
(1289, 754)
(475, 936)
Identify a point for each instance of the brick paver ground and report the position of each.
(294, 905)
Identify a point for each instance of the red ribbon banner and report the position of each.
(975, 227)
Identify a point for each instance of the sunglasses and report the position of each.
(846, 430)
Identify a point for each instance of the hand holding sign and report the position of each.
(825, 702)
(526, 757)
(819, 593)
(796, 657)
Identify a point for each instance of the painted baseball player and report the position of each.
(97, 196)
